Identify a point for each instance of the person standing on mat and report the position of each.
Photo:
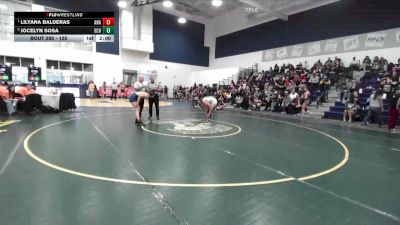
(114, 90)
(140, 87)
(209, 104)
(154, 91)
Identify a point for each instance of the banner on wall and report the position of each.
(281, 53)
(268, 55)
(331, 45)
(314, 48)
(375, 40)
(398, 37)
(351, 43)
(297, 50)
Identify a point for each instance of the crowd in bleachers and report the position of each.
(290, 89)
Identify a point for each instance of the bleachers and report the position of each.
(336, 111)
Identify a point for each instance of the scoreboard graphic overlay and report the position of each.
(64, 27)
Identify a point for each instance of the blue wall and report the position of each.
(343, 18)
(178, 43)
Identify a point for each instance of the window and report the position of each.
(88, 67)
(51, 64)
(14, 61)
(77, 66)
(65, 65)
(2, 60)
(26, 62)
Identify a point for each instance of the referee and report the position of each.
(140, 87)
(154, 91)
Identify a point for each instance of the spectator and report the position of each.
(367, 63)
(350, 108)
(293, 95)
(280, 84)
(165, 94)
(318, 64)
(33, 86)
(375, 108)
(256, 104)
(294, 107)
(9, 98)
(29, 89)
(114, 90)
(394, 104)
(276, 69)
(285, 102)
(122, 87)
(306, 100)
(313, 82)
(354, 64)
(104, 87)
(338, 63)
(329, 62)
(375, 63)
(22, 90)
(383, 64)
(91, 89)
(325, 84)
(342, 89)
(3, 88)
(283, 68)
(303, 77)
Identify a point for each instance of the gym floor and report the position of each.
(94, 166)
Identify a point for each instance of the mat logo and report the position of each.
(191, 127)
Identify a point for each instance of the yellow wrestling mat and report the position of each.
(108, 103)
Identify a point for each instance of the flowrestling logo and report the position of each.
(192, 128)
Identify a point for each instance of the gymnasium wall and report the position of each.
(212, 76)
(178, 43)
(343, 18)
(390, 49)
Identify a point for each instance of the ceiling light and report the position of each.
(216, 3)
(122, 4)
(2, 6)
(167, 4)
(181, 20)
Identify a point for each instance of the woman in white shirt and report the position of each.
(375, 108)
(293, 95)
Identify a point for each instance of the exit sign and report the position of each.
(138, 3)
